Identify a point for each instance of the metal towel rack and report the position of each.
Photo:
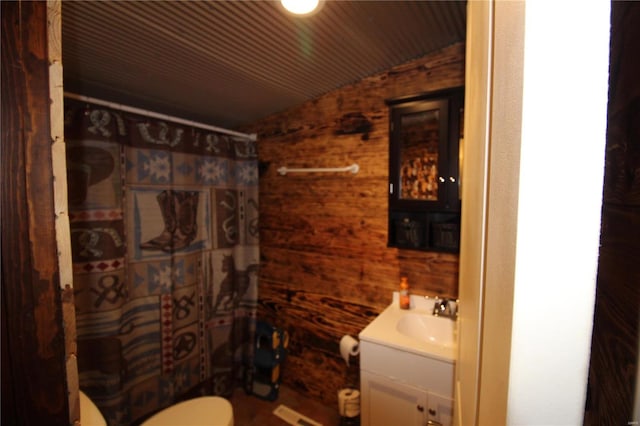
(354, 168)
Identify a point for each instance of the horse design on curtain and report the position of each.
(165, 255)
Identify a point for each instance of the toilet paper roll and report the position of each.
(349, 402)
(349, 347)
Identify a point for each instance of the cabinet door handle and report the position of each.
(420, 408)
(433, 423)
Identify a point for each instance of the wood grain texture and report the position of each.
(326, 269)
(59, 171)
(32, 309)
(614, 350)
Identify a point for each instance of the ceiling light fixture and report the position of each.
(300, 7)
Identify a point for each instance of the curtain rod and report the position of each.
(252, 136)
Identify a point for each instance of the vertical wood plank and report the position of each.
(614, 346)
(32, 314)
(59, 170)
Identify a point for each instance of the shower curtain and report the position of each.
(164, 234)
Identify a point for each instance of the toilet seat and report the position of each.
(90, 414)
(205, 410)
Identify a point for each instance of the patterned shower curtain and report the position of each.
(164, 231)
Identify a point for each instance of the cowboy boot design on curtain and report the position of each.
(179, 212)
(186, 215)
(167, 208)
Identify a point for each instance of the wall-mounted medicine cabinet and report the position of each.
(425, 135)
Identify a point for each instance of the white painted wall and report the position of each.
(564, 110)
(552, 211)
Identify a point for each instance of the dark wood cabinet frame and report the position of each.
(427, 224)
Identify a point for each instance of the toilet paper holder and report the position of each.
(349, 347)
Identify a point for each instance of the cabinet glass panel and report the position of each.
(419, 146)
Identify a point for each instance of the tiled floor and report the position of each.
(249, 410)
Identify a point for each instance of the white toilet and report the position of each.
(205, 410)
(89, 413)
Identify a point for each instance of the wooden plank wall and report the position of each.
(614, 350)
(61, 208)
(34, 389)
(326, 270)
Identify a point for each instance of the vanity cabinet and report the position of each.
(425, 133)
(389, 402)
(402, 388)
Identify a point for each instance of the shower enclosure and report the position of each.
(164, 235)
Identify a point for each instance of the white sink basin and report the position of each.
(427, 328)
(415, 330)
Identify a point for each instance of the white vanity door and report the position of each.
(440, 410)
(386, 402)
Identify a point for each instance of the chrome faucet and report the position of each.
(445, 308)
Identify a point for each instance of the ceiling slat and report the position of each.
(239, 61)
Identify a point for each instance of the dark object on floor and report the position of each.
(270, 353)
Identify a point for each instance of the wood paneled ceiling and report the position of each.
(230, 63)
